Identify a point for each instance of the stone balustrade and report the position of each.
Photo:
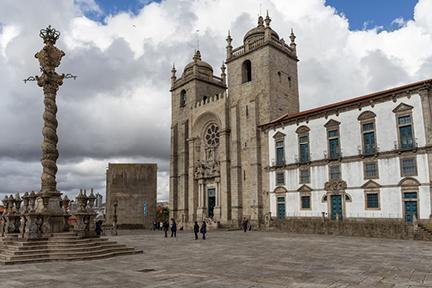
(21, 220)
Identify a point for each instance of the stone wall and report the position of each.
(377, 228)
(130, 186)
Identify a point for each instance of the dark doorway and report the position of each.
(211, 201)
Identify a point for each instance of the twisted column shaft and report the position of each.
(49, 146)
(49, 58)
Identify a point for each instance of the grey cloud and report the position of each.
(382, 71)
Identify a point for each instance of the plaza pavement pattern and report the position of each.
(238, 259)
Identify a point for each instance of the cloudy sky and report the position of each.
(118, 110)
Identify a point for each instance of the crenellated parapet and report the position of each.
(218, 98)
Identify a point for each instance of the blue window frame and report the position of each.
(333, 140)
(280, 178)
(280, 153)
(372, 200)
(335, 172)
(371, 170)
(405, 132)
(409, 167)
(304, 175)
(304, 148)
(369, 146)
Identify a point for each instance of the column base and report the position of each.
(201, 213)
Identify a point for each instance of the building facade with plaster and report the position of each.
(368, 157)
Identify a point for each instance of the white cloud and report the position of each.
(399, 22)
(8, 33)
(119, 107)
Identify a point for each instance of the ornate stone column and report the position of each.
(48, 199)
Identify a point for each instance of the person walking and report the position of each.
(173, 228)
(165, 227)
(203, 230)
(196, 229)
(245, 224)
(98, 228)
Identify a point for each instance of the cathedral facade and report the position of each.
(219, 156)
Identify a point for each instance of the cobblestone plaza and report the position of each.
(238, 259)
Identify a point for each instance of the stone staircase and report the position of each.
(60, 247)
(423, 232)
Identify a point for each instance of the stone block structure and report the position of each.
(133, 189)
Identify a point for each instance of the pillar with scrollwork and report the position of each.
(48, 200)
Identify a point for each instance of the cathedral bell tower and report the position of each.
(196, 145)
(263, 85)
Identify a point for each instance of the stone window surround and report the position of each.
(276, 179)
(329, 171)
(305, 191)
(305, 168)
(183, 98)
(279, 137)
(303, 131)
(402, 174)
(375, 190)
(305, 194)
(409, 184)
(246, 70)
(367, 117)
(365, 177)
(330, 126)
(400, 111)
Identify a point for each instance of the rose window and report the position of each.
(212, 135)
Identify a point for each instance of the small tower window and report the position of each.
(246, 71)
(183, 98)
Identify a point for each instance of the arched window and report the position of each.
(246, 71)
(183, 98)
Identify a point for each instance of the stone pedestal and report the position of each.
(13, 223)
(201, 213)
(33, 226)
(85, 224)
(217, 213)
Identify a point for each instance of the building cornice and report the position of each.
(350, 104)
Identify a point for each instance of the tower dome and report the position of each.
(202, 66)
(258, 32)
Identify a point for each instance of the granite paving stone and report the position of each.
(238, 259)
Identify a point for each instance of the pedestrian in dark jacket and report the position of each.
(98, 228)
(203, 230)
(165, 227)
(173, 228)
(245, 224)
(196, 230)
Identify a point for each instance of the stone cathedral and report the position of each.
(218, 152)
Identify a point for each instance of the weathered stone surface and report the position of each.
(237, 107)
(131, 186)
(237, 259)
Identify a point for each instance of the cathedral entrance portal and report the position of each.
(211, 192)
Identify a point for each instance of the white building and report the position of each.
(368, 157)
